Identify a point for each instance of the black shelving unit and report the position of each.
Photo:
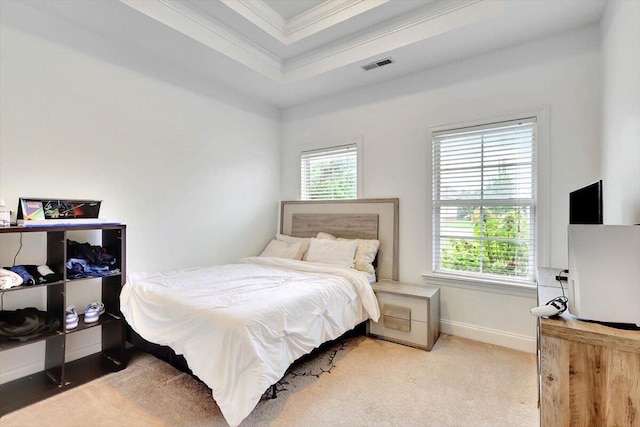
(58, 374)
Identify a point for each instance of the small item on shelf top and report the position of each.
(59, 212)
(5, 215)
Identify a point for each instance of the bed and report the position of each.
(240, 326)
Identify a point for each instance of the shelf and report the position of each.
(25, 287)
(26, 390)
(61, 227)
(89, 368)
(93, 278)
(58, 374)
(10, 344)
(32, 388)
(104, 318)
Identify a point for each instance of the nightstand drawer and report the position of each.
(396, 317)
(416, 306)
(418, 335)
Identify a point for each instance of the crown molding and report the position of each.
(388, 29)
(211, 33)
(303, 25)
(326, 15)
(325, 10)
(437, 18)
(262, 16)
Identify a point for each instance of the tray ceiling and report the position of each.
(289, 52)
(327, 36)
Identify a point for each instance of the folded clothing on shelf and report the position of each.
(26, 323)
(9, 279)
(45, 273)
(95, 255)
(86, 260)
(29, 275)
(27, 279)
(78, 268)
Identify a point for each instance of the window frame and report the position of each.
(493, 283)
(319, 147)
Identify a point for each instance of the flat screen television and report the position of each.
(585, 205)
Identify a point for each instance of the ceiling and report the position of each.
(289, 52)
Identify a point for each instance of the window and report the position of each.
(329, 173)
(484, 200)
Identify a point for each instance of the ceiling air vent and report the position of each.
(378, 64)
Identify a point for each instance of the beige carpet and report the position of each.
(367, 383)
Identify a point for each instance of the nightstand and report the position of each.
(409, 313)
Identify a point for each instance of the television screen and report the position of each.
(585, 205)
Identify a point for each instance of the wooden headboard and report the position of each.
(350, 219)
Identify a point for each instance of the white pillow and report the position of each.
(304, 241)
(332, 252)
(326, 236)
(365, 252)
(279, 249)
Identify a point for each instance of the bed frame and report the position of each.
(350, 219)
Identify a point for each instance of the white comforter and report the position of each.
(240, 326)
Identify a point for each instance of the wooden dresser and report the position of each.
(589, 373)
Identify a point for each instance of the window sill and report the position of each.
(492, 286)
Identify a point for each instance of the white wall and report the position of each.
(620, 30)
(561, 73)
(181, 169)
(195, 177)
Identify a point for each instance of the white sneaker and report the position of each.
(71, 318)
(93, 311)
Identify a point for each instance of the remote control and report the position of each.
(552, 308)
(545, 310)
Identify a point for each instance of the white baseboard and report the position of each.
(20, 371)
(489, 336)
(81, 352)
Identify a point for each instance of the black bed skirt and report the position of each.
(162, 352)
(167, 354)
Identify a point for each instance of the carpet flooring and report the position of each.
(356, 382)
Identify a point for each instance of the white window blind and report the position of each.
(484, 200)
(330, 173)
